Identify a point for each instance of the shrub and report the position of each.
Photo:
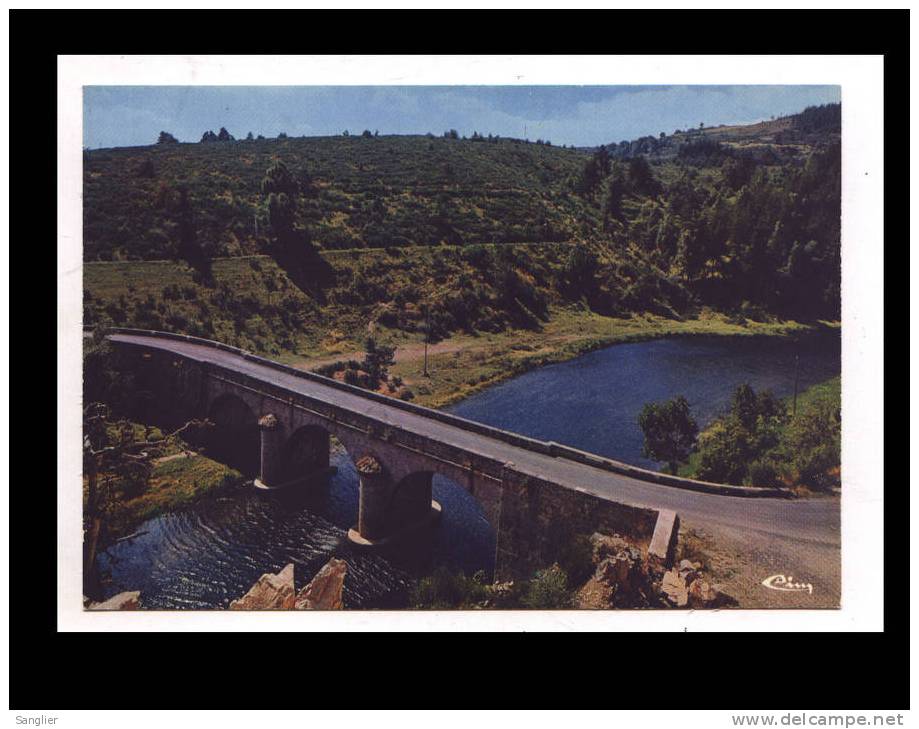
(443, 589)
(812, 441)
(575, 557)
(763, 473)
(548, 590)
(724, 452)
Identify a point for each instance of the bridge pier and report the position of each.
(271, 467)
(388, 511)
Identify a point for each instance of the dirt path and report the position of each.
(407, 352)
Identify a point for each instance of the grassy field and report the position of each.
(175, 483)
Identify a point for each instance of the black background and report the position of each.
(303, 670)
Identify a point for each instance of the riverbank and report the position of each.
(176, 482)
(463, 365)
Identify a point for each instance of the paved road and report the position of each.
(815, 520)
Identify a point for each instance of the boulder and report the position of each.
(271, 592)
(703, 595)
(121, 601)
(689, 571)
(324, 592)
(674, 588)
(626, 576)
(605, 545)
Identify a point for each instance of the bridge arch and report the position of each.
(234, 439)
(305, 452)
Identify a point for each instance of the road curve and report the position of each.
(814, 521)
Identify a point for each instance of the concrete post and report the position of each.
(375, 489)
(271, 455)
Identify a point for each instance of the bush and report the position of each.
(812, 441)
(444, 590)
(763, 473)
(575, 557)
(548, 590)
(724, 452)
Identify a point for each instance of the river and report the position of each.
(207, 555)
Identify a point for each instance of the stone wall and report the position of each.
(540, 518)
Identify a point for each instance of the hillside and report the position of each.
(787, 139)
(291, 246)
(356, 192)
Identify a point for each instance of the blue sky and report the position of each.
(117, 116)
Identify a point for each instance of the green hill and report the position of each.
(356, 192)
(460, 235)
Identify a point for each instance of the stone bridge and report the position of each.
(279, 419)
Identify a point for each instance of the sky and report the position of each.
(122, 116)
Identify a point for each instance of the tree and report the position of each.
(281, 189)
(279, 179)
(580, 269)
(117, 464)
(812, 443)
(190, 249)
(611, 204)
(224, 136)
(378, 358)
(209, 136)
(281, 217)
(641, 179)
(670, 431)
(166, 138)
(249, 137)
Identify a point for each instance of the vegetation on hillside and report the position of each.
(445, 216)
(350, 192)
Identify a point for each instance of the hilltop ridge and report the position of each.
(775, 141)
